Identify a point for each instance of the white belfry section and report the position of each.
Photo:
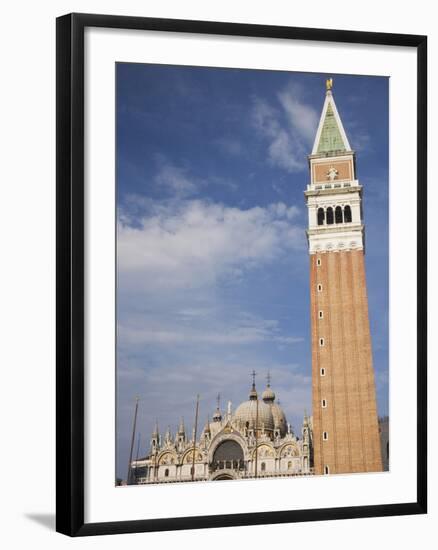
(334, 195)
(335, 236)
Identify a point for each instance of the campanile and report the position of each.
(345, 425)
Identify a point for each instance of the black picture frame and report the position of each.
(70, 273)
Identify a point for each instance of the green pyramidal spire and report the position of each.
(331, 137)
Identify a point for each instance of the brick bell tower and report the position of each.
(345, 426)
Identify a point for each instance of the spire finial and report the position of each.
(268, 379)
(156, 431)
(329, 84)
(168, 434)
(217, 417)
(253, 374)
(181, 429)
(253, 392)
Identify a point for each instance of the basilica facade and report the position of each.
(254, 441)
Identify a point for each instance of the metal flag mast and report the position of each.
(136, 457)
(256, 422)
(194, 437)
(156, 452)
(138, 446)
(128, 477)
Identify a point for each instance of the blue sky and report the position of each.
(212, 256)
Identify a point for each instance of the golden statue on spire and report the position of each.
(329, 84)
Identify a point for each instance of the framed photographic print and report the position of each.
(241, 274)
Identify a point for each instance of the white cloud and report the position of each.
(169, 391)
(302, 118)
(288, 128)
(176, 180)
(179, 182)
(280, 149)
(246, 329)
(195, 243)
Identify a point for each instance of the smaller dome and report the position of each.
(268, 395)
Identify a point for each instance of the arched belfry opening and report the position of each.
(321, 216)
(329, 215)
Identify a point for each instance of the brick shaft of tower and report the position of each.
(345, 423)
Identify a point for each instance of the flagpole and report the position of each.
(256, 434)
(136, 457)
(138, 447)
(132, 441)
(194, 437)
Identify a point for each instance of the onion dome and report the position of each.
(268, 395)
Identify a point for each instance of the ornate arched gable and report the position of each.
(167, 457)
(188, 456)
(264, 451)
(289, 449)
